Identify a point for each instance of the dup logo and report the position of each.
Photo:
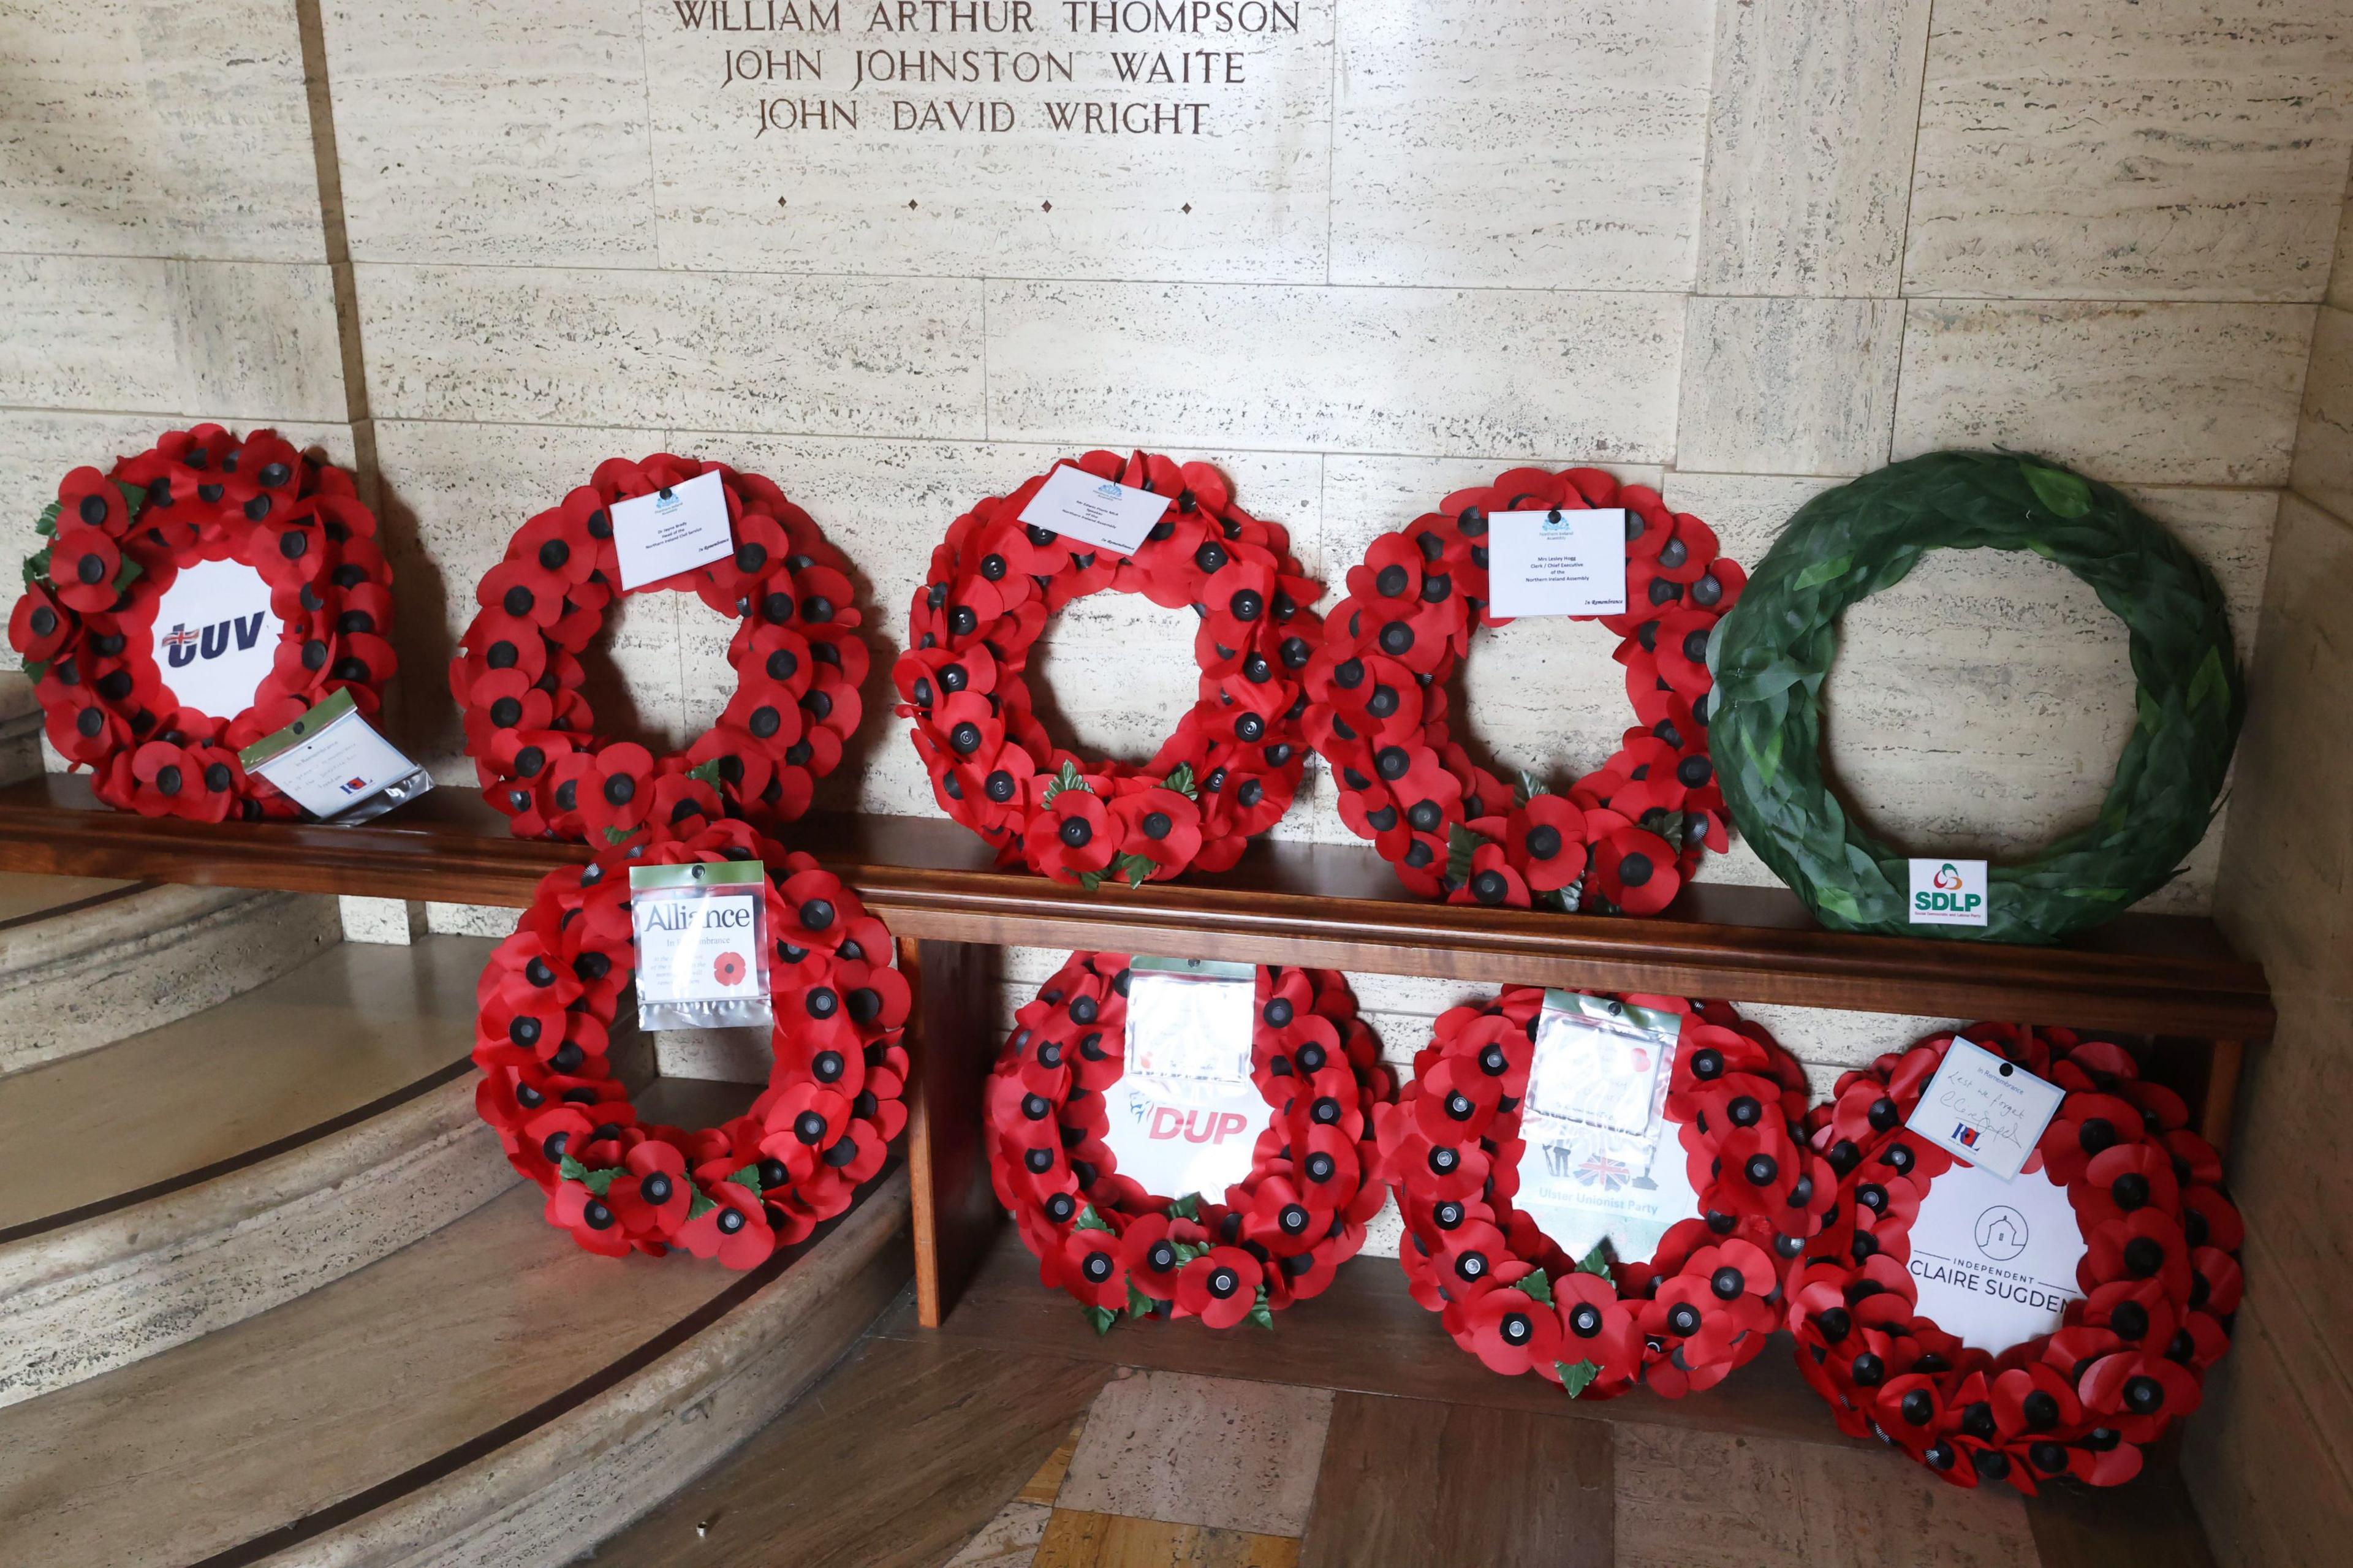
(1948, 892)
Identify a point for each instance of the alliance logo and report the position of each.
(183, 647)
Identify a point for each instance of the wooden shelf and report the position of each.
(1325, 905)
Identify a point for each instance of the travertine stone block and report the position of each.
(1527, 144)
(132, 128)
(1788, 387)
(473, 132)
(251, 341)
(1461, 373)
(839, 355)
(1810, 146)
(2323, 473)
(2179, 150)
(2191, 393)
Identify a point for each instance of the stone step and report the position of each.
(186, 1178)
(84, 962)
(489, 1396)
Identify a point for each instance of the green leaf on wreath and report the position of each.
(134, 497)
(1091, 880)
(1181, 781)
(1461, 843)
(615, 835)
(1260, 1312)
(700, 1206)
(36, 668)
(127, 573)
(1823, 572)
(707, 772)
(748, 1178)
(1068, 778)
(1187, 1207)
(1529, 787)
(1136, 868)
(1595, 1261)
(1139, 1305)
(1089, 1220)
(1577, 1379)
(571, 1170)
(36, 566)
(2061, 491)
(1102, 1318)
(46, 526)
(2212, 680)
(1533, 1285)
(601, 1182)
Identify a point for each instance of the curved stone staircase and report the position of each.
(269, 1293)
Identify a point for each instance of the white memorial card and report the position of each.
(1994, 1262)
(334, 764)
(701, 938)
(1603, 1162)
(1949, 893)
(672, 531)
(1565, 561)
(1103, 513)
(1984, 1110)
(1185, 1113)
(215, 637)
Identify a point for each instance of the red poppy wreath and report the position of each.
(192, 600)
(1270, 1239)
(1624, 837)
(1231, 769)
(735, 1192)
(797, 654)
(2159, 1276)
(1707, 1299)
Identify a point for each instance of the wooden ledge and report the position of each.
(1332, 906)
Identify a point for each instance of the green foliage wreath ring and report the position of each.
(1772, 651)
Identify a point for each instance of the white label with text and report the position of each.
(1102, 513)
(215, 637)
(1949, 893)
(1602, 1162)
(701, 929)
(1984, 1110)
(1185, 1114)
(672, 531)
(336, 767)
(1994, 1262)
(1560, 563)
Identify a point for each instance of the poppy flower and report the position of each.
(1597, 1327)
(1634, 870)
(1492, 880)
(1220, 1287)
(653, 1194)
(735, 1230)
(1091, 1267)
(39, 627)
(1511, 1332)
(1158, 824)
(1072, 836)
(1544, 842)
(83, 565)
(615, 790)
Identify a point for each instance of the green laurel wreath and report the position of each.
(1772, 651)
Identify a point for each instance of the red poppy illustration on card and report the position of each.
(797, 657)
(1229, 768)
(2047, 1326)
(192, 600)
(1621, 839)
(733, 1193)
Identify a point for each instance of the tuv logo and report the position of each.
(183, 647)
(1949, 893)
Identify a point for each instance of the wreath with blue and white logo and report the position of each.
(296, 598)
